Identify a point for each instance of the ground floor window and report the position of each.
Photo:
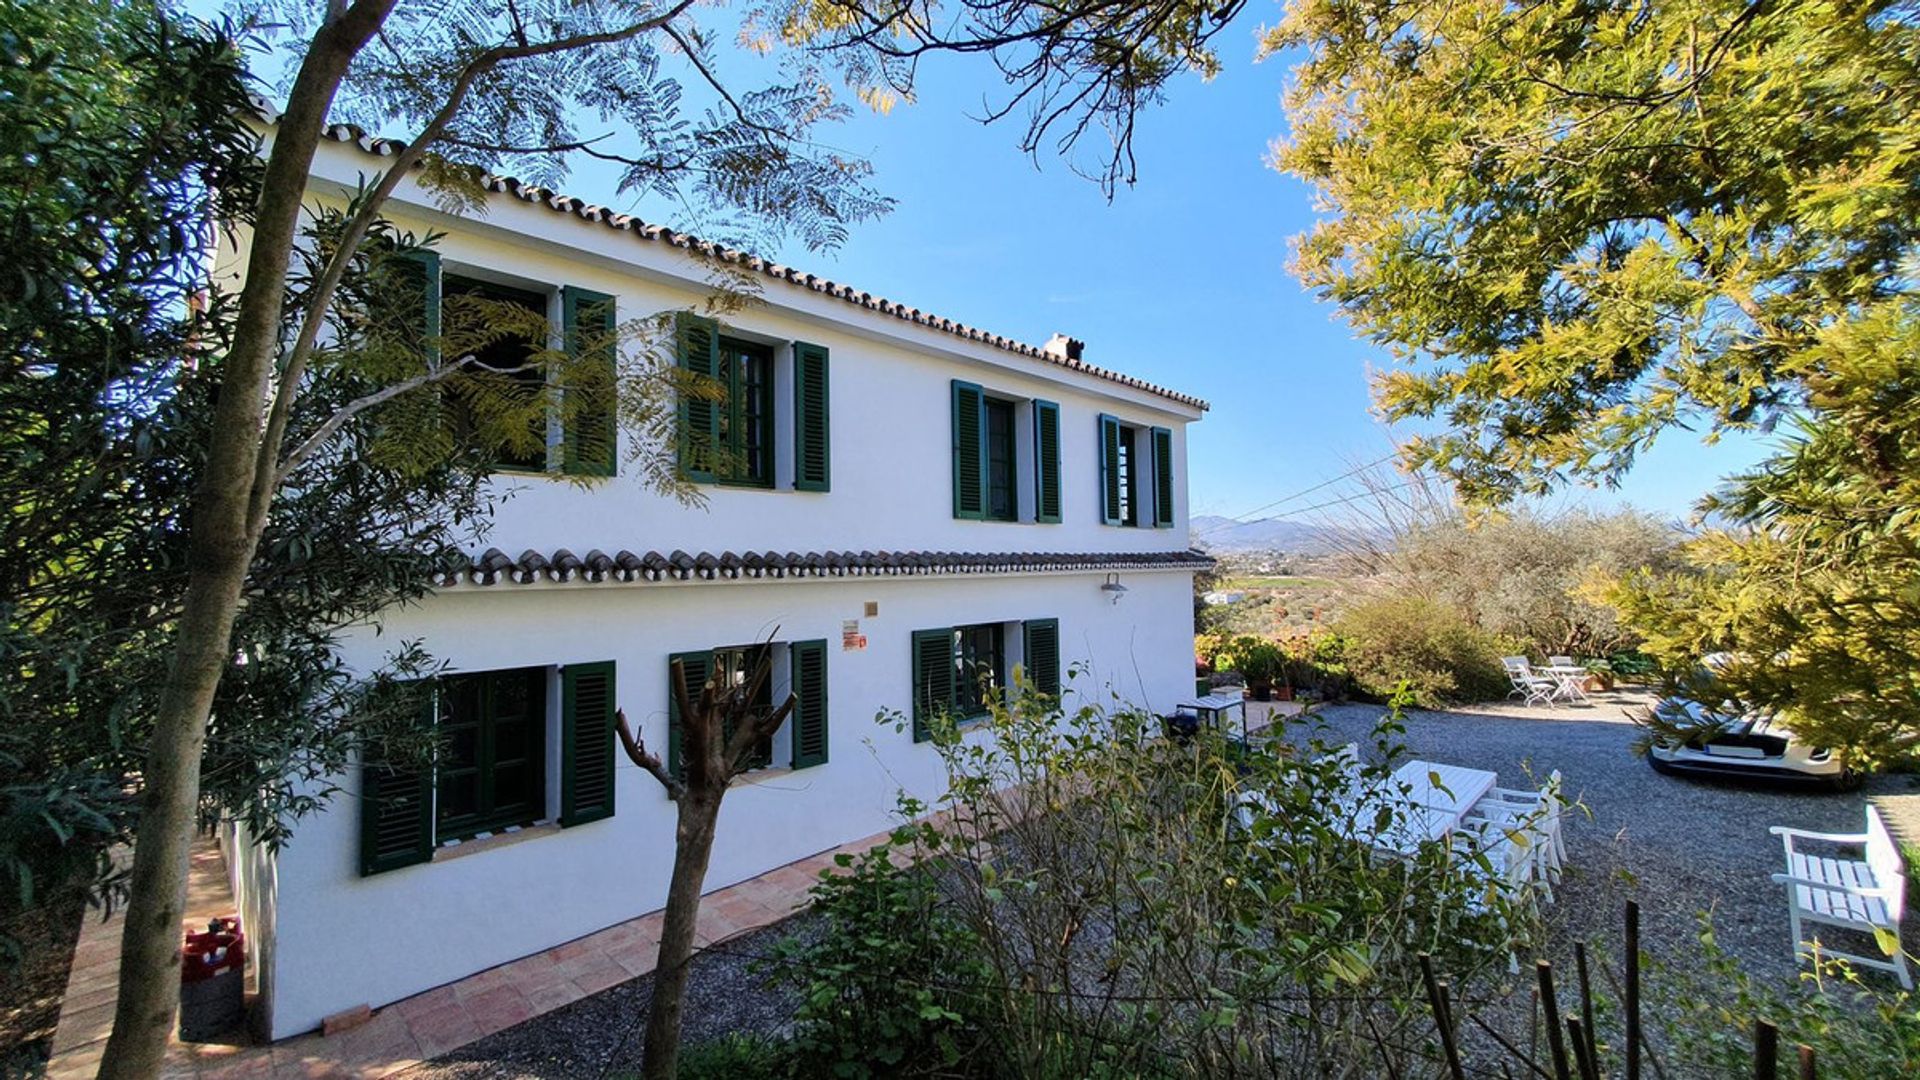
(797, 669)
(979, 667)
(734, 668)
(960, 671)
(498, 733)
(492, 768)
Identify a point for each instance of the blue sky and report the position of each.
(1180, 279)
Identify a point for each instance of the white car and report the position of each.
(1734, 744)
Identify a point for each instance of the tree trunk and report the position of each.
(693, 846)
(221, 547)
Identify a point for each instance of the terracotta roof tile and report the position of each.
(494, 566)
(567, 204)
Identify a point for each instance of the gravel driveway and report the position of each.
(1679, 847)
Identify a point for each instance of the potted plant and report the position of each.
(1261, 662)
(1599, 676)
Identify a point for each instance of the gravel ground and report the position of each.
(1680, 847)
(603, 1035)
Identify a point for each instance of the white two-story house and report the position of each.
(907, 505)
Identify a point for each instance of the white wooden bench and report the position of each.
(1869, 896)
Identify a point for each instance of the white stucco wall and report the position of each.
(343, 939)
(890, 412)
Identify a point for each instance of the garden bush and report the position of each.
(1434, 651)
(1136, 907)
(886, 981)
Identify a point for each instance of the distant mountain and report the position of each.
(1224, 534)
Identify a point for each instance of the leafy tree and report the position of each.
(118, 167)
(1580, 226)
(1813, 585)
(1530, 576)
(279, 391)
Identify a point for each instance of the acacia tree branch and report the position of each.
(312, 443)
(693, 57)
(357, 227)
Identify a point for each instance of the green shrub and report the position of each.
(883, 980)
(1257, 659)
(1706, 1004)
(1147, 908)
(736, 1057)
(1441, 657)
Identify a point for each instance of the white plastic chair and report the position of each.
(1539, 812)
(1499, 863)
(1561, 661)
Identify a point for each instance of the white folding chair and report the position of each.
(1560, 661)
(1528, 684)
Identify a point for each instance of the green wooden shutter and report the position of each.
(590, 399)
(1046, 462)
(808, 662)
(396, 812)
(969, 451)
(932, 678)
(419, 270)
(586, 742)
(811, 445)
(699, 347)
(1042, 652)
(1162, 478)
(697, 666)
(1109, 470)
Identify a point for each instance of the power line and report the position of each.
(1241, 519)
(1355, 497)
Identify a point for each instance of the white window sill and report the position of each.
(768, 775)
(493, 841)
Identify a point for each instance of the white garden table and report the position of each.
(1440, 796)
(1570, 680)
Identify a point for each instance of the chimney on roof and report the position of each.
(1062, 347)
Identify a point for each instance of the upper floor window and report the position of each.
(757, 415)
(510, 358)
(744, 454)
(540, 414)
(1136, 474)
(1003, 490)
(1006, 456)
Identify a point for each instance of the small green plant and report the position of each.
(883, 983)
(736, 1056)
